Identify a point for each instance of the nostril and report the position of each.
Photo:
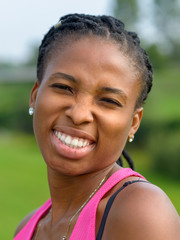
(79, 114)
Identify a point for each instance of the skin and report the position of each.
(88, 106)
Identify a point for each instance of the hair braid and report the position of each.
(128, 159)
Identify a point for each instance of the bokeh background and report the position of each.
(156, 149)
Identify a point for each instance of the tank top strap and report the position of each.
(109, 205)
(27, 232)
(85, 226)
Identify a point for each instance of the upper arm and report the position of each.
(24, 222)
(142, 212)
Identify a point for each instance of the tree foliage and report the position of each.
(161, 17)
(127, 10)
(33, 54)
(167, 20)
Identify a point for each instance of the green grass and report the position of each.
(23, 180)
(24, 184)
(13, 94)
(162, 103)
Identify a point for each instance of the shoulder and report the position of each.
(142, 211)
(24, 222)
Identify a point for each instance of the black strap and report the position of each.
(108, 207)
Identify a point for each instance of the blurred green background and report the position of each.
(156, 149)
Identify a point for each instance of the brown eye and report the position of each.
(111, 101)
(62, 87)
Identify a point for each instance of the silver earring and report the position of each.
(131, 138)
(31, 111)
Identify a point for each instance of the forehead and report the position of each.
(90, 50)
(93, 59)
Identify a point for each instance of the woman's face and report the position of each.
(84, 106)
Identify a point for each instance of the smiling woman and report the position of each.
(92, 80)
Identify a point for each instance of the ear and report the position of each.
(136, 121)
(33, 94)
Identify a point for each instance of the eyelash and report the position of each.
(112, 101)
(62, 87)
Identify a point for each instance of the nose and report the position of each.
(80, 113)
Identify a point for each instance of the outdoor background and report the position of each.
(156, 149)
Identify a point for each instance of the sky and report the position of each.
(23, 23)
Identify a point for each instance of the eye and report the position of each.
(62, 87)
(111, 101)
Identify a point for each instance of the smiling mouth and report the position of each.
(72, 142)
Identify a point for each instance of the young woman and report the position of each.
(92, 80)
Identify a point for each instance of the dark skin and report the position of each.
(94, 97)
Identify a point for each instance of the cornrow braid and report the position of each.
(128, 159)
(72, 27)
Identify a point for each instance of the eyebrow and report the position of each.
(114, 90)
(64, 76)
(74, 80)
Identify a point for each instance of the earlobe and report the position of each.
(33, 94)
(136, 121)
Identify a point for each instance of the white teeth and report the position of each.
(80, 143)
(59, 135)
(85, 143)
(62, 138)
(74, 143)
(70, 141)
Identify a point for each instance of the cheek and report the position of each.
(43, 114)
(47, 103)
(115, 128)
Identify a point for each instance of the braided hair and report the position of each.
(75, 26)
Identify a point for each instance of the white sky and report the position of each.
(24, 22)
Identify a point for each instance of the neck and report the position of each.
(68, 193)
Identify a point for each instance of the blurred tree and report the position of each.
(33, 53)
(156, 20)
(128, 11)
(167, 20)
(6, 64)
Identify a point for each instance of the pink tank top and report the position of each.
(85, 225)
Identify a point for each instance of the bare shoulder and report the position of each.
(24, 222)
(142, 211)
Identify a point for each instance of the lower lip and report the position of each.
(72, 153)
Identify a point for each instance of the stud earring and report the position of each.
(31, 111)
(131, 138)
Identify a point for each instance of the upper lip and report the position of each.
(75, 132)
